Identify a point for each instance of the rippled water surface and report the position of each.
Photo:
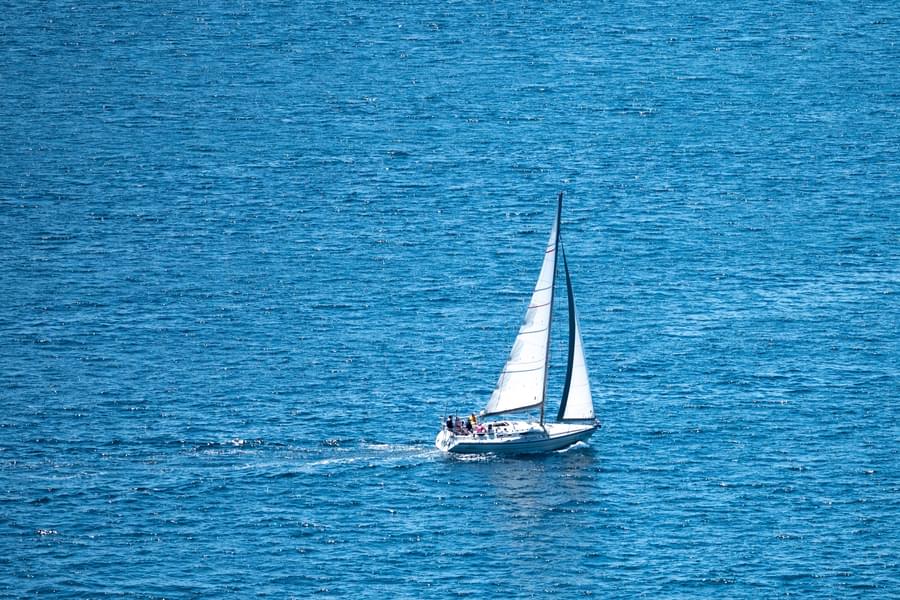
(251, 252)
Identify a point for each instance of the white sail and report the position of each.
(522, 382)
(576, 404)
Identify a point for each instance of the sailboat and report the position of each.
(522, 386)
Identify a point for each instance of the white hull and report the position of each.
(516, 437)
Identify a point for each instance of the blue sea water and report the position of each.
(250, 253)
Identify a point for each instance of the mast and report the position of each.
(552, 295)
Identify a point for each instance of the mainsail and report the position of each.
(522, 382)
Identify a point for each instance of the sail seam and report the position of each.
(507, 371)
(534, 331)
